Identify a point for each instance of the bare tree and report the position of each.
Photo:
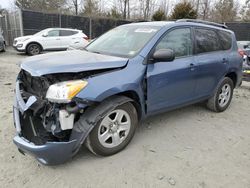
(76, 4)
(245, 11)
(224, 11)
(91, 8)
(203, 10)
(42, 5)
(146, 7)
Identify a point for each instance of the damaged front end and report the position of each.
(44, 117)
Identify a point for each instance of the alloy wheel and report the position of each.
(114, 128)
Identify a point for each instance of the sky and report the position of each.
(8, 3)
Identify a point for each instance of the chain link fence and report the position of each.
(11, 25)
(93, 27)
(27, 22)
(241, 30)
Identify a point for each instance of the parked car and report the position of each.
(97, 96)
(48, 39)
(2, 42)
(244, 50)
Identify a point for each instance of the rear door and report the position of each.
(67, 37)
(211, 59)
(173, 83)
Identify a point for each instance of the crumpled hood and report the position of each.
(24, 38)
(70, 62)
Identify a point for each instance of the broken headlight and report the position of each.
(63, 92)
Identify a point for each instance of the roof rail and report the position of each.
(203, 22)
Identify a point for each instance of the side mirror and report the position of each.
(45, 34)
(164, 55)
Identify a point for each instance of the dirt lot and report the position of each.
(190, 147)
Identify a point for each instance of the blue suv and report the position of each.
(97, 96)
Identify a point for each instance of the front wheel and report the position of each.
(220, 101)
(114, 131)
(33, 49)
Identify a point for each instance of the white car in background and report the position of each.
(48, 39)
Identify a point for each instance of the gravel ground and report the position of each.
(190, 147)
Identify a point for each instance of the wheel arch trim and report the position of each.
(33, 42)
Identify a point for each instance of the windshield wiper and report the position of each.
(96, 52)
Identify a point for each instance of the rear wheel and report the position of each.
(114, 131)
(222, 97)
(33, 49)
(3, 49)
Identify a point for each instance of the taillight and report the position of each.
(242, 52)
(86, 38)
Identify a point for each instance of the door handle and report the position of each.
(192, 66)
(57, 39)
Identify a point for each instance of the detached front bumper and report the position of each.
(50, 153)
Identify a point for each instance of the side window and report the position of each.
(206, 41)
(226, 39)
(178, 40)
(53, 33)
(67, 33)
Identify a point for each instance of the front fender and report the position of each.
(117, 81)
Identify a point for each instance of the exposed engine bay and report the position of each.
(45, 120)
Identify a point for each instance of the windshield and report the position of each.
(123, 41)
(41, 32)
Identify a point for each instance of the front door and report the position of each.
(170, 84)
(52, 40)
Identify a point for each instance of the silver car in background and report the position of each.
(244, 50)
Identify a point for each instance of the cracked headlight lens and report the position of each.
(63, 92)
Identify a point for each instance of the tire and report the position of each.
(4, 48)
(33, 49)
(114, 137)
(220, 101)
(240, 83)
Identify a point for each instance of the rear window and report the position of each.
(226, 39)
(67, 33)
(206, 41)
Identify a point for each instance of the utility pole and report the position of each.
(128, 10)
